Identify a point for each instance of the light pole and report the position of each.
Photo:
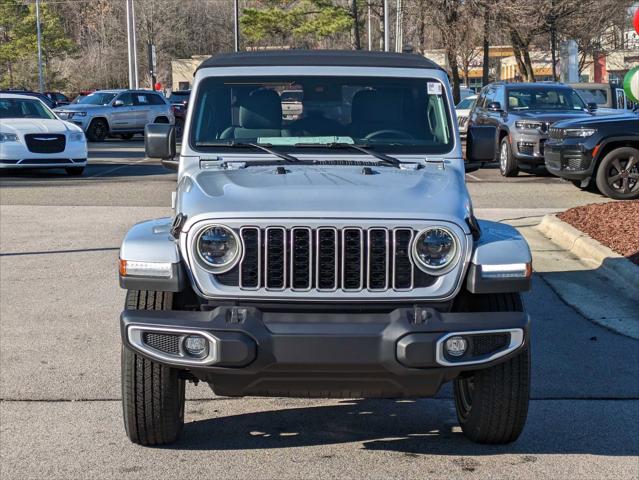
(132, 45)
(398, 27)
(386, 28)
(370, 38)
(236, 23)
(40, 72)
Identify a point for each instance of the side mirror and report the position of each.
(159, 142)
(481, 145)
(593, 107)
(494, 107)
(118, 103)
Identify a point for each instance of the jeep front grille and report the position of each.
(326, 259)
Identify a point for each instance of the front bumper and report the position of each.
(395, 354)
(529, 148)
(572, 161)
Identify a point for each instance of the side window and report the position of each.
(126, 98)
(141, 99)
(154, 99)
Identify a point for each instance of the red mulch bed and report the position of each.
(614, 224)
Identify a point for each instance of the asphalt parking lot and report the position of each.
(60, 412)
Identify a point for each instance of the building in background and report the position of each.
(182, 71)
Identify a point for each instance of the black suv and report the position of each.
(601, 150)
(522, 113)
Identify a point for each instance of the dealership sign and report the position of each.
(631, 80)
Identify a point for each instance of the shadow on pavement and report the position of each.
(412, 427)
(95, 171)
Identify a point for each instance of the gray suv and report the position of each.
(333, 254)
(521, 114)
(120, 113)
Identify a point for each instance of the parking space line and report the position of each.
(473, 177)
(118, 168)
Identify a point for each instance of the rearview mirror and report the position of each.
(159, 142)
(118, 103)
(481, 145)
(494, 107)
(593, 107)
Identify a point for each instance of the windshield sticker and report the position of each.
(434, 88)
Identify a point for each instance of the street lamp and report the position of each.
(39, 33)
(132, 45)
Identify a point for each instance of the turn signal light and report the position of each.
(130, 268)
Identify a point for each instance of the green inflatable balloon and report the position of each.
(631, 84)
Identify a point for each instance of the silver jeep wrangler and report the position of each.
(333, 253)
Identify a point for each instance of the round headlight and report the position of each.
(218, 247)
(435, 250)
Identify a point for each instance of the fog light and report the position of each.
(196, 346)
(456, 346)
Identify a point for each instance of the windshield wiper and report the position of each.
(264, 147)
(365, 148)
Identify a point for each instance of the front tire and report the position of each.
(492, 403)
(618, 174)
(97, 131)
(508, 166)
(152, 393)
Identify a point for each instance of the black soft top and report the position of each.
(323, 58)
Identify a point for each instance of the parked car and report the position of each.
(120, 113)
(603, 151)
(609, 97)
(179, 100)
(462, 109)
(346, 263)
(43, 98)
(58, 98)
(520, 114)
(465, 92)
(31, 136)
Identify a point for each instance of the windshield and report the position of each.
(466, 103)
(399, 114)
(19, 108)
(98, 98)
(176, 97)
(544, 99)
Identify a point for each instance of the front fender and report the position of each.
(501, 261)
(150, 244)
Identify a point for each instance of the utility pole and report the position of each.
(236, 23)
(370, 36)
(132, 45)
(386, 28)
(40, 72)
(398, 27)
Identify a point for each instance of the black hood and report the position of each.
(598, 120)
(552, 117)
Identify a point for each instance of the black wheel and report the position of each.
(126, 136)
(507, 162)
(179, 127)
(75, 171)
(492, 403)
(97, 131)
(618, 174)
(152, 394)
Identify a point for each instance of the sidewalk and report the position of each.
(595, 292)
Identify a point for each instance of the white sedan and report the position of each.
(463, 109)
(32, 136)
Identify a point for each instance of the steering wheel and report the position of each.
(393, 134)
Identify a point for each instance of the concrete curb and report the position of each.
(588, 249)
